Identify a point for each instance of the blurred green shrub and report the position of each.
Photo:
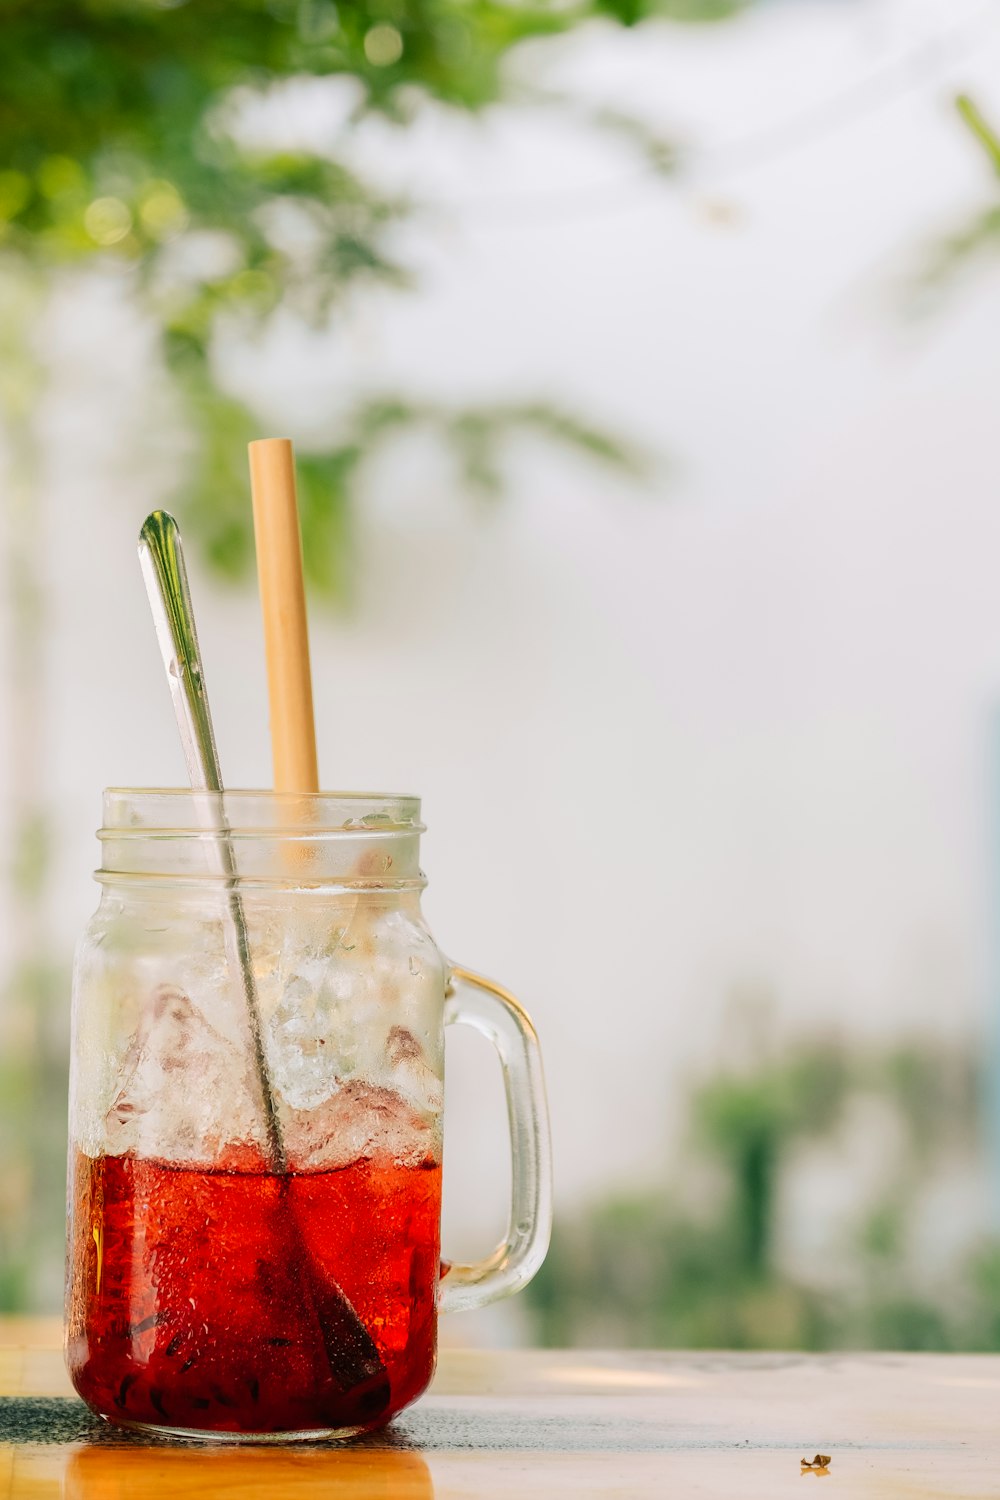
(696, 1261)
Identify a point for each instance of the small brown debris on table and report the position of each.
(818, 1465)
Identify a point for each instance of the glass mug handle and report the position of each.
(471, 1000)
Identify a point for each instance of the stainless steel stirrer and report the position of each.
(161, 558)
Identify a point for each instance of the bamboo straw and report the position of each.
(283, 602)
(352, 1354)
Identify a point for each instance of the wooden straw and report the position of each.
(352, 1354)
(283, 601)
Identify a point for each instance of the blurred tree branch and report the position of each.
(120, 141)
(984, 133)
(954, 253)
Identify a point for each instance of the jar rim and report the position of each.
(143, 812)
(260, 839)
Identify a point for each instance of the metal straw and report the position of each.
(161, 558)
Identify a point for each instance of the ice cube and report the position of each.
(183, 1088)
(361, 1120)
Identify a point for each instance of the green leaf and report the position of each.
(981, 130)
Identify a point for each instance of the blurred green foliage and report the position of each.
(961, 248)
(698, 1261)
(120, 143)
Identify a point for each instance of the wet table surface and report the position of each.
(538, 1423)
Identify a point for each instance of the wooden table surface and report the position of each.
(527, 1424)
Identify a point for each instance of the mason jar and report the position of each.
(256, 1096)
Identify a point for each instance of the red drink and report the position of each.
(198, 1297)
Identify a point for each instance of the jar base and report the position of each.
(324, 1435)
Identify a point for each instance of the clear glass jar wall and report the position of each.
(208, 1290)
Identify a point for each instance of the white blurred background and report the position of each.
(720, 732)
